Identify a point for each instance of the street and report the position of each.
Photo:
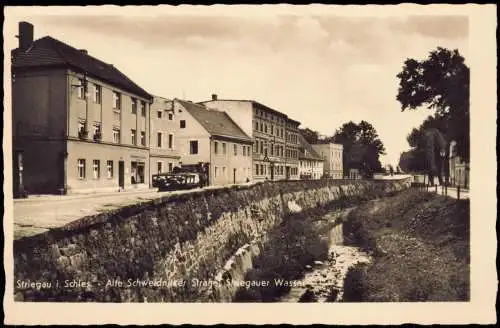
(38, 214)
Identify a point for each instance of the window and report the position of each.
(159, 166)
(137, 172)
(170, 167)
(97, 132)
(159, 113)
(261, 127)
(81, 89)
(116, 135)
(272, 129)
(193, 147)
(262, 147)
(117, 100)
(96, 168)
(235, 149)
(256, 169)
(81, 168)
(143, 138)
(109, 166)
(134, 136)
(216, 172)
(265, 128)
(224, 172)
(224, 148)
(170, 116)
(244, 150)
(183, 124)
(159, 139)
(170, 141)
(134, 106)
(216, 147)
(97, 94)
(143, 109)
(257, 126)
(82, 129)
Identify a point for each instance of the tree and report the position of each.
(420, 158)
(362, 147)
(413, 160)
(311, 136)
(440, 82)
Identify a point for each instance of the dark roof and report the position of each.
(217, 123)
(49, 52)
(306, 151)
(259, 105)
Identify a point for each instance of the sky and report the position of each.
(323, 68)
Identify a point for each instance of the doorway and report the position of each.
(121, 174)
(234, 175)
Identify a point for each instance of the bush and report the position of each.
(420, 244)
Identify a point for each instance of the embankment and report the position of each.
(175, 248)
(420, 247)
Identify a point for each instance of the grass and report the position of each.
(420, 247)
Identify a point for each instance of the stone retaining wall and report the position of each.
(169, 249)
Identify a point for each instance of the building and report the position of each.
(332, 154)
(211, 138)
(79, 123)
(458, 169)
(164, 155)
(310, 162)
(275, 153)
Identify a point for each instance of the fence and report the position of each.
(435, 188)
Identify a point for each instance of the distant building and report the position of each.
(78, 123)
(164, 155)
(458, 169)
(310, 162)
(274, 135)
(211, 138)
(332, 153)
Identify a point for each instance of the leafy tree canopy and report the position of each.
(440, 82)
(362, 147)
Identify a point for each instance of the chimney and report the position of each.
(214, 96)
(84, 51)
(25, 35)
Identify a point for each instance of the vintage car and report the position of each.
(178, 181)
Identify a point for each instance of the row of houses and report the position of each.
(80, 124)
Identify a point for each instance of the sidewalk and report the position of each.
(37, 198)
(450, 192)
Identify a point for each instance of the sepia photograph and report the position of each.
(185, 155)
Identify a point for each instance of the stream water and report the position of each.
(324, 282)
